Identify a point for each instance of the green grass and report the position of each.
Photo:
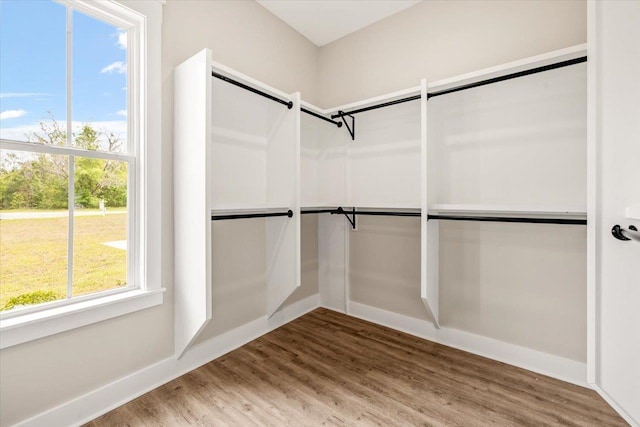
(33, 255)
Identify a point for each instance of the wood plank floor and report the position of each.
(326, 368)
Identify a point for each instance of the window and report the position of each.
(75, 169)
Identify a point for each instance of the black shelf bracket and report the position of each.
(351, 220)
(352, 128)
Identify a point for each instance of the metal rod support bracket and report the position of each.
(351, 220)
(352, 128)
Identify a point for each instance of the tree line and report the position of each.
(41, 181)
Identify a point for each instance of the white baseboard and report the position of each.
(533, 360)
(607, 398)
(100, 401)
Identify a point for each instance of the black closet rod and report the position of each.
(385, 213)
(221, 217)
(289, 104)
(375, 107)
(510, 76)
(467, 86)
(350, 212)
(525, 220)
(522, 220)
(317, 211)
(326, 119)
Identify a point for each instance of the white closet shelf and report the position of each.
(508, 214)
(506, 210)
(318, 206)
(312, 107)
(219, 68)
(382, 206)
(567, 54)
(407, 209)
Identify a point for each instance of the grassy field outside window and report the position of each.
(33, 254)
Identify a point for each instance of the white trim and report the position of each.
(109, 11)
(592, 196)
(429, 248)
(149, 172)
(71, 160)
(46, 306)
(39, 324)
(34, 147)
(97, 402)
(543, 363)
(624, 414)
(71, 212)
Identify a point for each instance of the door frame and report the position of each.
(594, 224)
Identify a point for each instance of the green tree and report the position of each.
(41, 181)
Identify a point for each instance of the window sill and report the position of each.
(32, 326)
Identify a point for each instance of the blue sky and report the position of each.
(33, 68)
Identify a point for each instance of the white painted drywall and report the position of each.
(438, 39)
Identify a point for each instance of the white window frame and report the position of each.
(142, 21)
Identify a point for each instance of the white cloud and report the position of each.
(20, 94)
(118, 66)
(12, 114)
(122, 113)
(122, 40)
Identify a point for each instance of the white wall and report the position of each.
(438, 39)
(518, 283)
(41, 374)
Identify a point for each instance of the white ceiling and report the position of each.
(323, 21)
